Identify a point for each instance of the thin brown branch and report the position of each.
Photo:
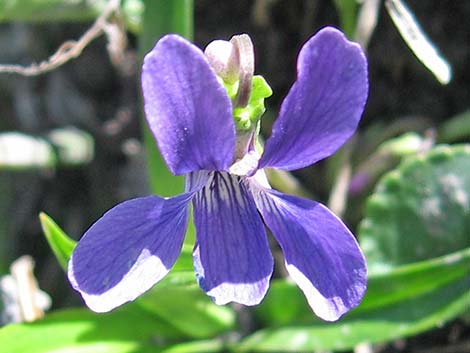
(70, 49)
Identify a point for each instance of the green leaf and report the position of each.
(420, 210)
(403, 302)
(394, 321)
(456, 128)
(126, 330)
(178, 300)
(61, 244)
(189, 310)
(208, 346)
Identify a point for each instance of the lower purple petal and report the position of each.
(321, 254)
(128, 250)
(232, 258)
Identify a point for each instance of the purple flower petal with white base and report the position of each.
(130, 248)
(321, 254)
(187, 109)
(323, 107)
(232, 258)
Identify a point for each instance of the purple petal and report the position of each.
(323, 106)
(321, 254)
(128, 250)
(187, 109)
(232, 259)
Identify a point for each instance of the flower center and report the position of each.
(233, 62)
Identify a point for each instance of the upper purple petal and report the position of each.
(321, 254)
(130, 248)
(323, 107)
(232, 257)
(187, 109)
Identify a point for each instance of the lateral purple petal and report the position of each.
(321, 254)
(232, 259)
(323, 107)
(128, 250)
(187, 109)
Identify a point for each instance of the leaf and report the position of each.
(407, 318)
(189, 310)
(61, 244)
(455, 128)
(420, 210)
(403, 302)
(209, 346)
(125, 330)
(179, 301)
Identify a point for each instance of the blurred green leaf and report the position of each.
(397, 320)
(456, 128)
(61, 244)
(208, 346)
(189, 310)
(403, 302)
(420, 210)
(178, 300)
(125, 330)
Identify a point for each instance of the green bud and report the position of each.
(246, 118)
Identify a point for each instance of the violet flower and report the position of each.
(188, 109)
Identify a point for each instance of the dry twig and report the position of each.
(71, 49)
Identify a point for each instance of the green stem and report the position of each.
(347, 10)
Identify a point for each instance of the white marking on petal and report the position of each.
(329, 309)
(145, 272)
(323, 307)
(239, 292)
